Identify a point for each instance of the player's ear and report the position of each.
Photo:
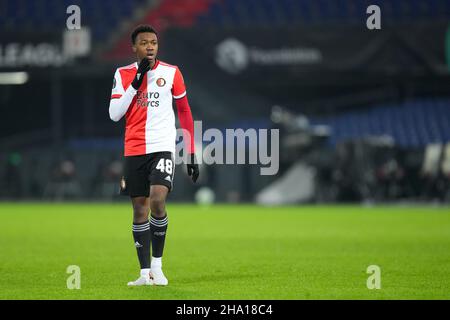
(134, 48)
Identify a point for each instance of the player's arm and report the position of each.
(121, 99)
(186, 122)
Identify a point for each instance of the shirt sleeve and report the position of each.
(120, 99)
(178, 87)
(186, 123)
(117, 89)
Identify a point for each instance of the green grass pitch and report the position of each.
(228, 252)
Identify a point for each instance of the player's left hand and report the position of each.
(192, 168)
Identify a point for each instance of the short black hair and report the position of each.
(140, 29)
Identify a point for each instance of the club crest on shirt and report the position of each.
(161, 82)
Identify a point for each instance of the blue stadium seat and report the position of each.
(412, 124)
(282, 12)
(50, 15)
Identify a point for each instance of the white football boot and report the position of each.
(158, 278)
(141, 281)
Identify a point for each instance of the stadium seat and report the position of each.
(50, 15)
(412, 123)
(284, 12)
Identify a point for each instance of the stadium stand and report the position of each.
(282, 13)
(168, 13)
(101, 16)
(414, 123)
(286, 12)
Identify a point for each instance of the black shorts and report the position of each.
(149, 169)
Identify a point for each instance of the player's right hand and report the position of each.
(144, 66)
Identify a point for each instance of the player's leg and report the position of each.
(158, 219)
(137, 187)
(161, 178)
(141, 230)
(158, 229)
(142, 238)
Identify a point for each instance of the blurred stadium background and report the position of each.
(364, 115)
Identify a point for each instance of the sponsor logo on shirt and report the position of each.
(146, 99)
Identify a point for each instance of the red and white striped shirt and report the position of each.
(150, 121)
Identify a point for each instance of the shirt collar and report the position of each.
(154, 67)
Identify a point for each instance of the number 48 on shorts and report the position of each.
(164, 170)
(165, 165)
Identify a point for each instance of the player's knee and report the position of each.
(158, 206)
(140, 212)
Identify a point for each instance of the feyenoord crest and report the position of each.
(160, 82)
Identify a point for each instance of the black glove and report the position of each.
(144, 66)
(192, 168)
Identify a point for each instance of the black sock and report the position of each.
(141, 235)
(158, 228)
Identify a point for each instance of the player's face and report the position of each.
(146, 46)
